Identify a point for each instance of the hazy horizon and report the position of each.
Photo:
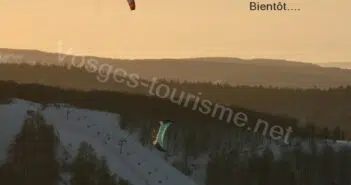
(180, 29)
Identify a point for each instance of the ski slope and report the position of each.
(136, 163)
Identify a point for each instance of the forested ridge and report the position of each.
(326, 108)
(227, 165)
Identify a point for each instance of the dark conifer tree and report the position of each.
(32, 154)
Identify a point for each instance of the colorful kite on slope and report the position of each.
(158, 142)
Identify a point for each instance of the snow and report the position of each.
(136, 163)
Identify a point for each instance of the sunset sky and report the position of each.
(320, 32)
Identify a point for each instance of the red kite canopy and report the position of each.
(131, 4)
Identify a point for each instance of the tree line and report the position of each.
(324, 166)
(326, 108)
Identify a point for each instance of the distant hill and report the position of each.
(326, 108)
(329, 108)
(345, 65)
(235, 71)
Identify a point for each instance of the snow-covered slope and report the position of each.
(137, 164)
